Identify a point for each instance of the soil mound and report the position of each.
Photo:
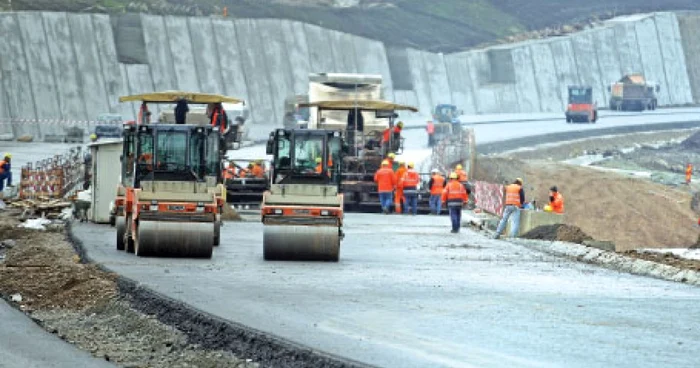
(558, 232)
(692, 142)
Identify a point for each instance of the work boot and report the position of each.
(453, 231)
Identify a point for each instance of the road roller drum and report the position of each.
(175, 239)
(301, 243)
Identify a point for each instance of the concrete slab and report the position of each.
(526, 85)
(565, 64)
(320, 50)
(343, 48)
(260, 98)
(678, 90)
(532, 219)
(585, 52)
(372, 59)
(181, 51)
(421, 83)
(545, 74)
(15, 76)
(278, 67)
(64, 64)
(114, 84)
(232, 76)
(608, 61)
(652, 60)
(91, 85)
(437, 76)
(130, 108)
(206, 56)
(298, 55)
(689, 27)
(479, 74)
(627, 49)
(160, 59)
(460, 83)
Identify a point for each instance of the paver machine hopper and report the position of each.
(302, 212)
(171, 196)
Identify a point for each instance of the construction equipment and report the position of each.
(581, 106)
(171, 196)
(294, 116)
(633, 92)
(365, 152)
(446, 120)
(198, 115)
(302, 213)
(246, 191)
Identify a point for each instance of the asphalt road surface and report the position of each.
(23, 344)
(407, 293)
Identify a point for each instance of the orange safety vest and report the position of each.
(385, 179)
(229, 173)
(410, 181)
(218, 120)
(688, 172)
(513, 195)
(400, 172)
(2, 166)
(430, 128)
(258, 171)
(462, 175)
(454, 194)
(147, 158)
(558, 203)
(438, 185)
(385, 137)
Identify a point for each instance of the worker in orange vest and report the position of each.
(455, 195)
(229, 172)
(144, 114)
(258, 170)
(437, 185)
(387, 136)
(244, 172)
(461, 173)
(556, 200)
(688, 173)
(410, 184)
(430, 129)
(398, 197)
(515, 198)
(5, 171)
(391, 158)
(386, 182)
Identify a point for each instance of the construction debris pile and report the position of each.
(53, 178)
(558, 232)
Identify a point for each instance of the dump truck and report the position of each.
(581, 106)
(171, 196)
(302, 212)
(633, 92)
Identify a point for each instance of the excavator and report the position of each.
(302, 212)
(170, 198)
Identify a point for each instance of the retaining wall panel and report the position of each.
(233, 78)
(160, 59)
(182, 56)
(130, 108)
(545, 74)
(320, 50)
(372, 59)
(278, 67)
(111, 72)
(460, 83)
(437, 78)
(587, 61)
(627, 49)
(206, 55)
(58, 37)
(673, 59)
(421, 83)
(689, 28)
(139, 77)
(91, 83)
(565, 64)
(526, 85)
(343, 48)
(298, 55)
(652, 61)
(608, 61)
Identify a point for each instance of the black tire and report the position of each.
(217, 233)
(120, 224)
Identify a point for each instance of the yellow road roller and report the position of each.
(302, 212)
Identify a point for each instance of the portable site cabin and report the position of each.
(106, 169)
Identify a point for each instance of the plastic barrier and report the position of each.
(489, 197)
(56, 177)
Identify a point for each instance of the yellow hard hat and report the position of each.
(391, 155)
(93, 136)
(8, 155)
(400, 124)
(402, 162)
(453, 175)
(547, 208)
(519, 180)
(385, 163)
(458, 167)
(411, 164)
(318, 160)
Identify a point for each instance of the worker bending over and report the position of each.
(386, 182)
(556, 200)
(515, 197)
(455, 196)
(410, 184)
(436, 184)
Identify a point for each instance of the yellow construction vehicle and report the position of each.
(302, 212)
(171, 196)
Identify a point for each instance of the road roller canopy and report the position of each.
(580, 94)
(296, 153)
(170, 152)
(170, 97)
(363, 105)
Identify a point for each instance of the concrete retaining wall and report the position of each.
(66, 66)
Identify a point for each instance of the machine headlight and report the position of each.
(278, 211)
(154, 206)
(325, 213)
(200, 207)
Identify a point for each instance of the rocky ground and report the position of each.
(43, 276)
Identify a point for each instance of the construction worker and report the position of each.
(391, 157)
(229, 172)
(461, 173)
(430, 129)
(399, 197)
(556, 200)
(93, 137)
(410, 184)
(5, 171)
(258, 171)
(455, 196)
(688, 173)
(218, 117)
(394, 135)
(144, 114)
(436, 184)
(386, 182)
(515, 198)
(244, 172)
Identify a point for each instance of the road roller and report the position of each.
(302, 212)
(171, 196)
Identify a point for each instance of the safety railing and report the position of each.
(56, 177)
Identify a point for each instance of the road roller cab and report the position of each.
(302, 212)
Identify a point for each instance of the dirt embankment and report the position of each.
(630, 212)
(80, 303)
